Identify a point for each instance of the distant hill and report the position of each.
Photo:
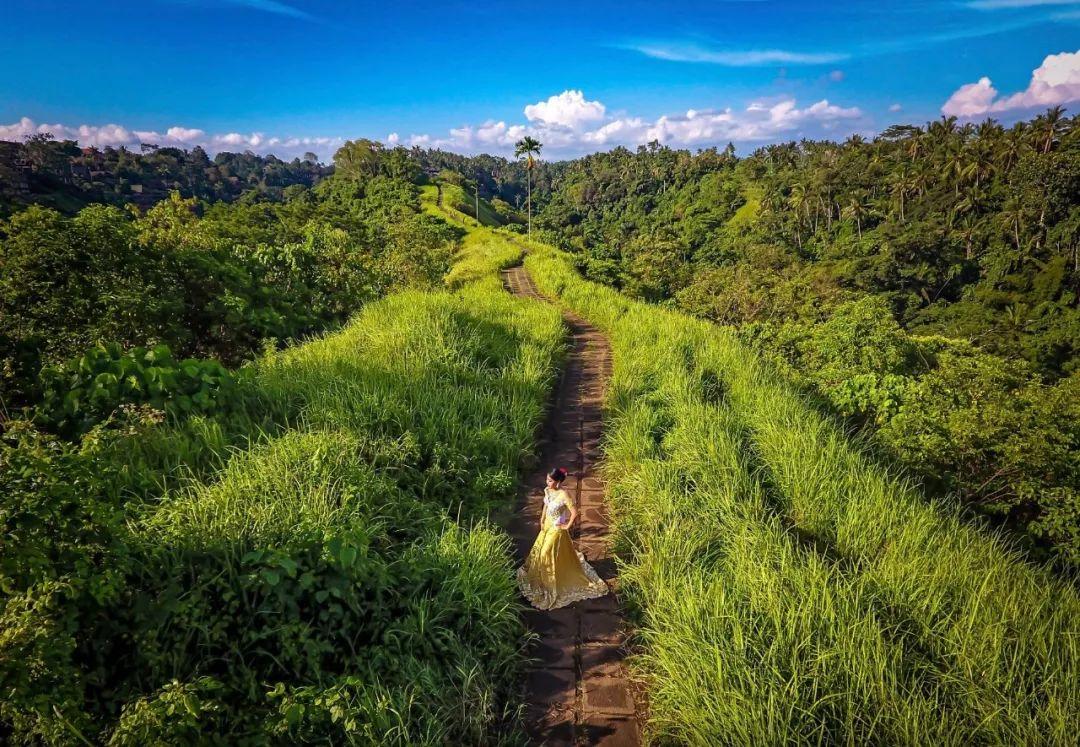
(62, 175)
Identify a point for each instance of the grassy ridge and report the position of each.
(417, 413)
(483, 253)
(325, 571)
(458, 206)
(789, 589)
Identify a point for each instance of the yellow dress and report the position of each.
(555, 574)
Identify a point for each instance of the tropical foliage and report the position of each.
(789, 589)
(210, 281)
(61, 175)
(925, 284)
(500, 180)
(300, 555)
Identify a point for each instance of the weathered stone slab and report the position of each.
(607, 695)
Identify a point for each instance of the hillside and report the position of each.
(61, 175)
(923, 286)
(790, 589)
(306, 558)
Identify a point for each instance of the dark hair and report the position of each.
(558, 474)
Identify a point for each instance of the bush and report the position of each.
(976, 425)
(311, 583)
(84, 392)
(787, 588)
(208, 282)
(983, 428)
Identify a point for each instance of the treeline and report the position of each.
(923, 284)
(62, 175)
(214, 281)
(500, 180)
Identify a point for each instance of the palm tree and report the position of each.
(530, 148)
(1047, 127)
(855, 210)
(772, 197)
(799, 202)
(900, 186)
(1012, 216)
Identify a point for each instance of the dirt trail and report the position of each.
(578, 691)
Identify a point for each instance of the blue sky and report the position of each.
(295, 75)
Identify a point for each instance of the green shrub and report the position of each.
(178, 713)
(309, 562)
(984, 429)
(58, 521)
(209, 282)
(972, 424)
(789, 589)
(86, 391)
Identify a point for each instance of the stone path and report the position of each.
(578, 690)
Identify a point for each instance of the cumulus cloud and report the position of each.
(1055, 82)
(185, 134)
(971, 99)
(114, 135)
(569, 109)
(568, 124)
(97, 135)
(895, 107)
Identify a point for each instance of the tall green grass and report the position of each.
(789, 589)
(482, 254)
(410, 425)
(458, 206)
(321, 568)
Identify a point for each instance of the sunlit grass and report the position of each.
(482, 254)
(399, 435)
(790, 590)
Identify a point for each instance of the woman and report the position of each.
(555, 574)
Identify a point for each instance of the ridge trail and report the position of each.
(578, 690)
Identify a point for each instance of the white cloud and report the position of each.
(115, 135)
(232, 138)
(971, 99)
(567, 124)
(836, 76)
(20, 130)
(569, 109)
(679, 52)
(184, 134)
(1056, 81)
(97, 135)
(761, 121)
(895, 107)
(625, 130)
